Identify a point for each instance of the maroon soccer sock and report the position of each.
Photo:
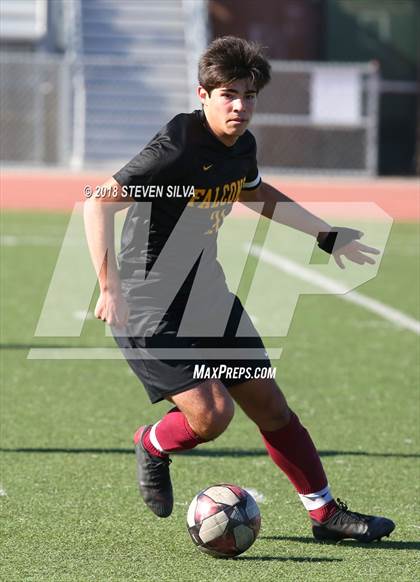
(294, 452)
(170, 435)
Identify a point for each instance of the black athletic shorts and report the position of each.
(167, 364)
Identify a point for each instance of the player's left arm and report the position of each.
(338, 241)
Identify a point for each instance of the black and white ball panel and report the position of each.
(223, 520)
(224, 494)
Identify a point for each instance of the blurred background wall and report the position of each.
(386, 31)
(88, 82)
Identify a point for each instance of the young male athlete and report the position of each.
(167, 300)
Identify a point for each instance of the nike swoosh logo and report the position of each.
(207, 167)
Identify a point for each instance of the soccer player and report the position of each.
(167, 293)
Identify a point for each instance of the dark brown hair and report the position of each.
(229, 59)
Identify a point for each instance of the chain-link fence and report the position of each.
(35, 109)
(312, 117)
(316, 117)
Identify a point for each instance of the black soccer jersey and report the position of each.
(190, 181)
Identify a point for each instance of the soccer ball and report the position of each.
(223, 520)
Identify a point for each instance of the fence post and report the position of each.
(372, 119)
(64, 114)
(79, 116)
(196, 36)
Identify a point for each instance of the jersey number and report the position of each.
(217, 217)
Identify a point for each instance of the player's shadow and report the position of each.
(286, 559)
(384, 545)
(48, 346)
(201, 452)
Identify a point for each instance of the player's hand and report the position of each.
(112, 308)
(356, 252)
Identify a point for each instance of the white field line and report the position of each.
(12, 240)
(389, 313)
(2, 491)
(82, 315)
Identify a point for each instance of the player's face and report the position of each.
(229, 109)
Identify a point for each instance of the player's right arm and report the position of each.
(99, 215)
(157, 163)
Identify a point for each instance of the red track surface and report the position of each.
(35, 190)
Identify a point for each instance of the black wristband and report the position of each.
(336, 238)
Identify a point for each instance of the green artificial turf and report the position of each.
(70, 506)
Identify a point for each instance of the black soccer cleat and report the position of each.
(345, 524)
(153, 478)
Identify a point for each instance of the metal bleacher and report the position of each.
(135, 73)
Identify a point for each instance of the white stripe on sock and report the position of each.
(316, 500)
(153, 438)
